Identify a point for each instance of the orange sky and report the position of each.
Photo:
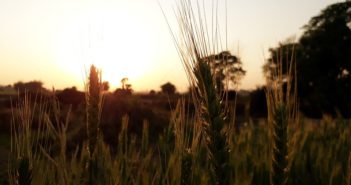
(54, 41)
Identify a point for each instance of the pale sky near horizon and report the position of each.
(54, 41)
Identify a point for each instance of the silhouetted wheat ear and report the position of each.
(280, 148)
(281, 95)
(213, 124)
(93, 100)
(196, 43)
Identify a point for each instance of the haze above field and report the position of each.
(54, 41)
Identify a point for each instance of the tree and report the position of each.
(105, 86)
(227, 68)
(284, 55)
(124, 82)
(32, 86)
(323, 56)
(126, 89)
(152, 92)
(71, 96)
(168, 88)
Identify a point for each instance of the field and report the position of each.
(209, 135)
(96, 137)
(176, 153)
(119, 138)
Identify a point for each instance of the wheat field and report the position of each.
(199, 146)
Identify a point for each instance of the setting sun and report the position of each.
(115, 41)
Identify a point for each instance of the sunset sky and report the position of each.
(55, 41)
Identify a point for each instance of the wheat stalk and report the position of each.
(93, 113)
(282, 112)
(93, 100)
(24, 153)
(193, 46)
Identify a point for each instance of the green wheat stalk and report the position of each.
(185, 139)
(24, 154)
(194, 45)
(282, 113)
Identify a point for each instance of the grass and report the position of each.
(196, 148)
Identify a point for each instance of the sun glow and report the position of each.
(115, 41)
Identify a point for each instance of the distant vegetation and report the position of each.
(323, 56)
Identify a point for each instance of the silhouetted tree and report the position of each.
(285, 52)
(323, 56)
(32, 86)
(93, 100)
(168, 88)
(226, 67)
(152, 92)
(126, 89)
(105, 86)
(128, 86)
(71, 96)
(124, 82)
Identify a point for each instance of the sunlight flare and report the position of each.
(110, 40)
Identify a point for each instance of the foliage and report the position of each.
(125, 90)
(284, 53)
(71, 96)
(323, 55)
(168, 88)
(227, 69)
(32, 86)
(105, 86)
(125, 85)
